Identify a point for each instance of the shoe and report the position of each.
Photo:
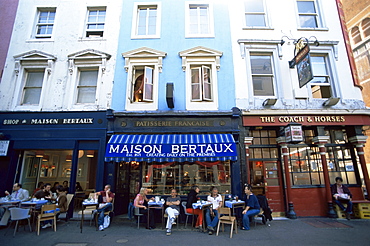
(244, 229)
(101, 228)
(210, 228)
(210, 232)
(348, 216)
(173, 221)
(168, 232)
(46, 226)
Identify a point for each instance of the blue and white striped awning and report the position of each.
(171, 147)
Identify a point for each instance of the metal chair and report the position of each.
(138, 214)
(226, 218)
(186, 213)
(17, 214)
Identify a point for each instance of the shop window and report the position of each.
(308, 13)
(162, 177)
(255, 13)
(262, 75)
(199, 20)
(45, 23)
(356, 36)
(146, 23)
(95, 22)
(321, 84)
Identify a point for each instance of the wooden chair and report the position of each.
(69, 199)
(226, 218)
(89, 209)
(45, 214)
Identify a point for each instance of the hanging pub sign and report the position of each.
(293, 133)
(4, 145)
(303, 62)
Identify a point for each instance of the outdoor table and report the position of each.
(84, 205)
(203, 206)
(5, 203)
(156, 205)
(233, 205)
(34, 206)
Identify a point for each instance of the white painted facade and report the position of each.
(282, 22)
(63, 55)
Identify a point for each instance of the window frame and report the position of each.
(210, 18)
(135, 20)
(318, 16)
(82, 69)
(145, 83)
(25, 88)
(38, 24)
(265, 15)
(272, 75)
(87, 23)
(202, 84)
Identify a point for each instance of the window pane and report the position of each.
(32, 96)
(318, 65)
(86, 95)
(263, 86)
(366, 27)
(88, 78)
(261, 64)
(255, 20)
(254, 6)
(148, 84)
(306, 7)
(195, 84)
(34, 79)
(308, 21)
(152, 21)
(355, 33)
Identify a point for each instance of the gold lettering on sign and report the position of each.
(304, 119)
(184, 123)
(288, 119)
(267, 119)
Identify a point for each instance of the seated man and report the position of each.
(18, 193)
(341, 195)
(44, 193)
(216, 201)
(106, 204)
(173, 210)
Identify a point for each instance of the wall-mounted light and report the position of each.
(269, 102)
(331, 101)
(39, 153)
(45, 158)
(68, 157)
(90, 153)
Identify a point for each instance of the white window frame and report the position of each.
(210, 19)
(319, 16)
(201, 84)
(265, 14)
(148, 81)
(31, 61)
(87, 23)
(328, 76)
(135, 20)
(85, 60)
(79, 86)
(272, 75)
(38, 24)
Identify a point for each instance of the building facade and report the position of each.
(293, 76)
(55, 91)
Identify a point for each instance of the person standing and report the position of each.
(252, 207)
(342, 194)
(18, 193)
(216, 201)
(173, 210)
(141, 202)
(106, 205)
(192, 198)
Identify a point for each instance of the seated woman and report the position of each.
(252, 207)
(141, 202)
(192, 198)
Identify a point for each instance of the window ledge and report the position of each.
(324, 29)
(200, 36)
(258, 28)
(91, 39)
(145, 37)
(40, 40)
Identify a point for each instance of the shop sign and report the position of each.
(293, 133)
(171, 150)
(48, 121)
(4, 145)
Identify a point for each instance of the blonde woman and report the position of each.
(141, 202)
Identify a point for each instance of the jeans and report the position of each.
(209, 221)
(349, 205)
(247, 215)
(107, 207)
(172, 213)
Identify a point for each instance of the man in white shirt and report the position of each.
(216, 201)
(18, 193)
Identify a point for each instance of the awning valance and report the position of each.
(171, 147)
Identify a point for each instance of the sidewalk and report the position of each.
(302, 231)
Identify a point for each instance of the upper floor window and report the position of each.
(199, 20)
(365, 25)
(320, 85)
(32, 87)
(255, 15)
(201, 83)
(146, 22)
(143, 66)
(95, 22)
(45, 23)
(355, 33)
(262, 75)
(308, 14)
(87, 83)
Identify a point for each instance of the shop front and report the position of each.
(53, 147)
(295, 174)
(173, 151)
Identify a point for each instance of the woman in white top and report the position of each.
(216, 201)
